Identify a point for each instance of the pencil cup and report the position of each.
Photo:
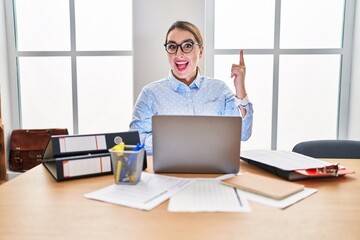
(127, 165)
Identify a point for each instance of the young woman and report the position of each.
(186, 92)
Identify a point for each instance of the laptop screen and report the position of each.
(196, 144)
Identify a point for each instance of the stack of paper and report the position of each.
(208, 195)
(151, 191)
(203, 194)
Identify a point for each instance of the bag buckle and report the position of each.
(39, 157)
(17, 156)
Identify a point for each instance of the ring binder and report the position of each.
(77, 156)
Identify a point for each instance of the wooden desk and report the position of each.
(35, 206)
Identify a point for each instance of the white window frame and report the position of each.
(14, 54)
(345, 70)
(345, 51)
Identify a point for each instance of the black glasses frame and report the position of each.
(181, 46)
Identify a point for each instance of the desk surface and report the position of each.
(35, 206)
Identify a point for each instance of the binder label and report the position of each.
(83, 143)
(87, 166)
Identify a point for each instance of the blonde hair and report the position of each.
(187, 26)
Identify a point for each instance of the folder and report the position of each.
(79, 166)
(292, 166)
(69, 145)
(77, 156)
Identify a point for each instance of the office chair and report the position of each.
(329, 148)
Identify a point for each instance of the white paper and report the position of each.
(208, 195)
(286, 202)
(151, 191)
(285, 160)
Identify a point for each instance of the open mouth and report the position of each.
(181, 65)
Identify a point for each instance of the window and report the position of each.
(296, 55)
(45, 94)
(104, 93)
(250, 24)
(42, 25)
(259, 89)
(74, 64)
(318, 26)
(308, 99)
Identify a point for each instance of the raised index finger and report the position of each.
(242, 61)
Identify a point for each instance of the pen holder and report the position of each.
(127, 165)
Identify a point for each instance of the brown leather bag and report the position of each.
(27, 147)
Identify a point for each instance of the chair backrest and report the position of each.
(329, 148)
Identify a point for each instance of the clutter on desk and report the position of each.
(211, 195)
(190, 194)
(127, 162)
(87, 155)
(293, 166)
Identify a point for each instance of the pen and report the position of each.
(132, 160)
(118, 170)
(156, 196)
(119, 147)
(139, 147)
(133, 157)
(124, 169)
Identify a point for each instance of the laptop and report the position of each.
(196, 144)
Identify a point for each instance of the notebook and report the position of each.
(196, 144)
(269, 187)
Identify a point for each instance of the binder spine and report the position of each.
(273, 170)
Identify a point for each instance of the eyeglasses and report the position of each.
(186, 46)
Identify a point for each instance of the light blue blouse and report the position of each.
(205, 96)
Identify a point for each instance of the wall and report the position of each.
(151, 22)
(4, 75)
(354, 117)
